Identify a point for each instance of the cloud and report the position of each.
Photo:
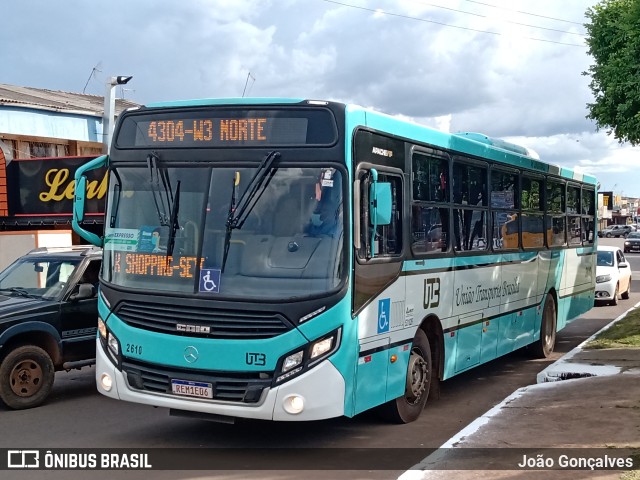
(457, 65)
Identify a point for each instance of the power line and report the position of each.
(409, 17)
(502, 20)
(524, 13)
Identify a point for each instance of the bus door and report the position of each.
(379, 287)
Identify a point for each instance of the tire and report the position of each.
(614, 301)
(625, 295)
(407, 408)
(26, 377)
(545, 344)
(608, 235)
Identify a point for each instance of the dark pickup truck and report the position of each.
(48, 320)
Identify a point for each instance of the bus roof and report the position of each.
(226, 101)
(476, 144)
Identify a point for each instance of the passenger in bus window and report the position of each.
(458, 220)
(326, 215)
(477, 221)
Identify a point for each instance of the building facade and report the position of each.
(45, 136)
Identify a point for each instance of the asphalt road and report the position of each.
(76, 417)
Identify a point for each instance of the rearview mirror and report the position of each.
(380, 203)
(85, 290)
(78, 204)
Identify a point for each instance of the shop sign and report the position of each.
(45, 186)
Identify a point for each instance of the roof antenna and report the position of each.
(93, 74)
(247, 81)
(123, 90)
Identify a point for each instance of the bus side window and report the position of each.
(504, 200)
(430, 178)
(428, 229)
(555, 209)
(532, 221)
(470, 212)
(588, 215)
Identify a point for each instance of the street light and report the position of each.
(108, 121)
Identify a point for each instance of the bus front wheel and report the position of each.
(407, 408)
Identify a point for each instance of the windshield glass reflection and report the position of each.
(37, 278)
(288, 243)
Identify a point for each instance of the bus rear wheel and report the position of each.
(407, 408)
(546, 343)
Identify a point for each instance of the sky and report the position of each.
(511, 69)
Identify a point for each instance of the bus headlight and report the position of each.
(307, 357)
(113, 348)
(603, 278)
(292, 361)
(321, 347)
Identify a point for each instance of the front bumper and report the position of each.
(604, 291)
(322, 388)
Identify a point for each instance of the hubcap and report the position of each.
(417, 377)
(26, 378)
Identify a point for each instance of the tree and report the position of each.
(613, 38)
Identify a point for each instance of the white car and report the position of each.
(613, 275)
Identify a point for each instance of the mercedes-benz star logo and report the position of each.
(191, 354)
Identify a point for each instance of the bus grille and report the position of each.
(227, 386)
(202, 322)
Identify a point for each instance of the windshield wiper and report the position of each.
(173, 224)
(251, 196)
(229, 227)
(255, 189)
(19, 291)
(154, 180)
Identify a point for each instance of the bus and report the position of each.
(293, 259)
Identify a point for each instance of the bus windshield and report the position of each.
(178, 230)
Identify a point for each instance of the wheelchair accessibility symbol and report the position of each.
(384, 307)
(209, 280)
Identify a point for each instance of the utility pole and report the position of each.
(108, 121)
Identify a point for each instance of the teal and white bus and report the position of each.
(291, 259)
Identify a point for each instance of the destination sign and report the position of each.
(227, 128)
(155, 265)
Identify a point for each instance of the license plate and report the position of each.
(187, 388)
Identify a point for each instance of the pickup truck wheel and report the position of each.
(26, 377)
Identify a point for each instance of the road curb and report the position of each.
(566, 369)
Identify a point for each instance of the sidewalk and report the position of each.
(596, 406)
